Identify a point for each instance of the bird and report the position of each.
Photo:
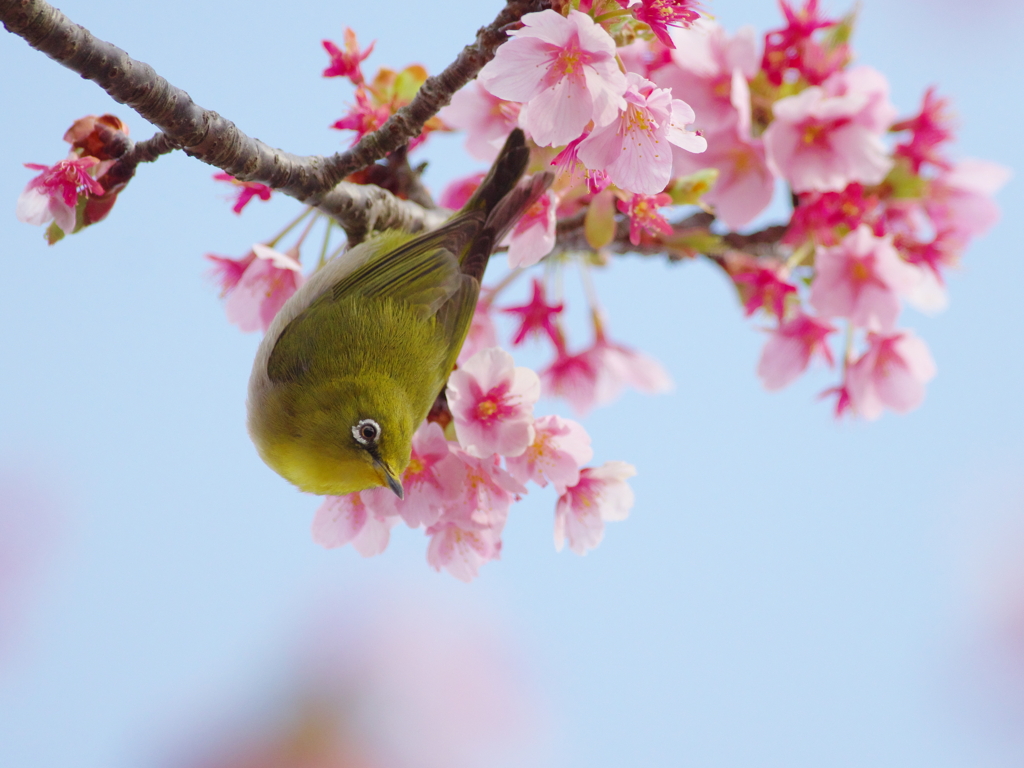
(352, 363)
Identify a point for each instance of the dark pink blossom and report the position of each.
(825, 218)
(930, 129)
(247, 190)
(643, 215)
(536, 317)
(345, 63)
(659, 15)
(763, 288)
(364, 117)
(790, 48)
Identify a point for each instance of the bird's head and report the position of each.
(347, 437)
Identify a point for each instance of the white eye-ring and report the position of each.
(366, 431)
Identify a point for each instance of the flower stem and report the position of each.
(294, 223)
(327, 240)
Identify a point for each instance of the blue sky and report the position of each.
(788, 591)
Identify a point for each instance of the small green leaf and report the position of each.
(688, 190)
(599, 225)
(53, 234)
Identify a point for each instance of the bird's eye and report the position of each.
(366, 431)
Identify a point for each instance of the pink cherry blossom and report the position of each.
(659, 15)
(745, 184)
(636, 148)
(345, 63)
(484, 494)
(819, 142)
(247, 190)
(890, 374)
(960, 200)
(53, 194)
(563, 70)
(492, 403)
(860, 279)
(258, 285)
(869, 86)
(461, 549)
(434, 476)
(341, 520)
(536, 317)
(622, 366)
(601, 495)
(702, 69)
(560, 448)
(486, 119)
(789, 350)
(643, 215)
(533, 236)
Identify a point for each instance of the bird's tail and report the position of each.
(503, 197)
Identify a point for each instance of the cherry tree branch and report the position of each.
(207, 136)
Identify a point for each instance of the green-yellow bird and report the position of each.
(354, 360)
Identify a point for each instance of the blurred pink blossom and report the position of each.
(53, 194)
(258, 285)
(790, 348)
(890, 374)
(860, 279)
(533, 236)
(341, 520)
(485, 118)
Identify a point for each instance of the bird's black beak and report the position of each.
(393, 482)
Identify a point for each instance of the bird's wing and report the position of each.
(456, 316)
(423, 272)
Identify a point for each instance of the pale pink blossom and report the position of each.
(819, 142)
(563, 70)
(484, 495)
(434, 477)
(492, 401)
(461, 549)
(486, 119)
(868, 84)
(570, 167)
(890, 374)
(961, 201)
(745, 184)
(704, 64)
(341, 520)
(601, 495)
(53, 194)
(860, 279)
(790, 348)
(636, 148)
(533, 236)
(258, 285)
(482, 333)
(560, 448)
(622, 366)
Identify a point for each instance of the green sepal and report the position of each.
(53, 233)
(693, 241)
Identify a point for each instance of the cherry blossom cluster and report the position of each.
(880, 210)
(461, 481)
